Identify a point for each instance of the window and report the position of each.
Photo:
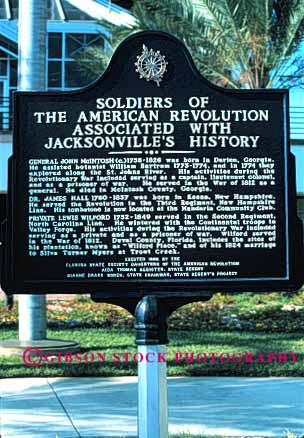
(14, 8)
(64, 71)
(8, 81)
(14, 72)
(77, 43)
(55, 45)
(55, 74)
(3, 11)
(3, 67)
(74, 76)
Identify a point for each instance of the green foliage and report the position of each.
(234, 43)
(248, 312)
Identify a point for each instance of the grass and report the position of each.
(121, 342)
(189, 435)
(257, 323)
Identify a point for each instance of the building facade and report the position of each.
(73, 26)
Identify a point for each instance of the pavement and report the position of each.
(107, 407)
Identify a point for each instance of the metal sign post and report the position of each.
(152, 394)
(152, 368)
(32, 65)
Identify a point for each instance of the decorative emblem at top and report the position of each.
(151, 65)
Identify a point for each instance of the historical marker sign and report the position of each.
(152, 179)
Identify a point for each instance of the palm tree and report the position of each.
(234, 43)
